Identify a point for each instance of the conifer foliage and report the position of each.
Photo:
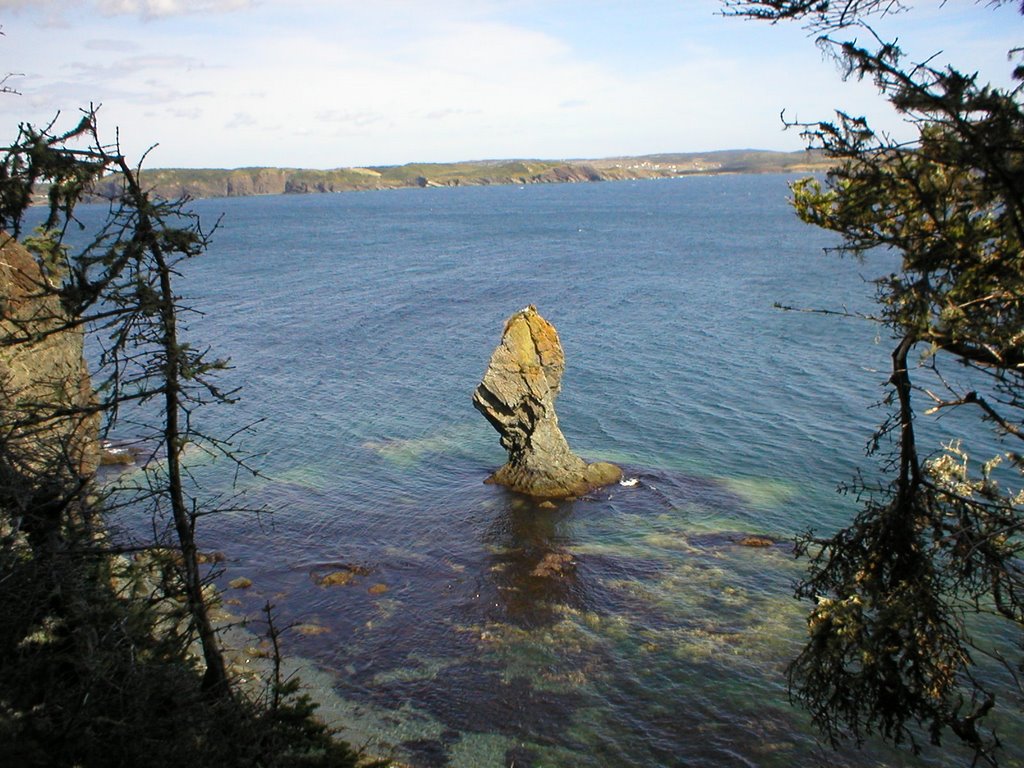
(898, 596)
(108, 652)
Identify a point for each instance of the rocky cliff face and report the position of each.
(517, 396)
(48, 437)
(259, 181)
(173, 183)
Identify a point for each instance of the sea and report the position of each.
(452, 623)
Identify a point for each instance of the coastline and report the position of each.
(200, 183)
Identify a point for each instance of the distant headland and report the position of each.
(173, 183)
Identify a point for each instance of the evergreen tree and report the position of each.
(95, 668)
(896, 596)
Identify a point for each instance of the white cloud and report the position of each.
(185, 114)
(159, 8)
(240, 120)
(129, 67)
(350, 82)
(444, 114)
(348, 118)
(118, 46)
(146, 9)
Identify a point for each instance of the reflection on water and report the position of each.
(532, 571)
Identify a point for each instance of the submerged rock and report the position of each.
(756, 541)
(517, 396)
(310, 629)
(343, 575)
(553, 564)
(335, 578)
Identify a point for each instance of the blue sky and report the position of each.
(330, 83)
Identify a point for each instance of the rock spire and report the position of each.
(517, 396)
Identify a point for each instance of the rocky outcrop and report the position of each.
(517, 396)
(570, 173)
(174, 183)
(256, 181)
(48, 428)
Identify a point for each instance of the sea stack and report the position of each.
(517, 396)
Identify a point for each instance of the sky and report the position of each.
(341, 83)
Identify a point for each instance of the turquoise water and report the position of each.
(627, 628)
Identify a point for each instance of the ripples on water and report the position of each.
(631, 627)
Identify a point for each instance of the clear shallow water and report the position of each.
(359, 325)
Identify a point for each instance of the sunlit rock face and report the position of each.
(48, 424)
(517, 396)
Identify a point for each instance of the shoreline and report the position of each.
(206, 183)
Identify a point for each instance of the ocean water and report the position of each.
(358, 326)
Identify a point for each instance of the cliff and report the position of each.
(174, 183)
(48, 430)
